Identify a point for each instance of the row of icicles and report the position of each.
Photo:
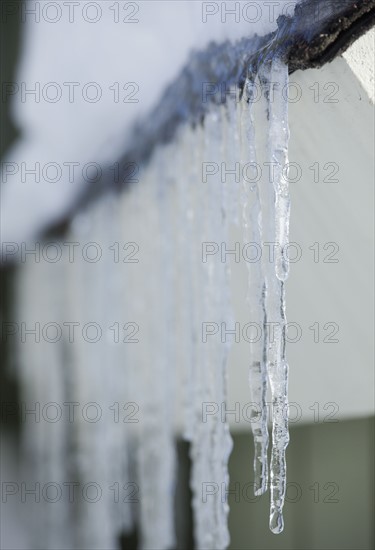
(166, 294)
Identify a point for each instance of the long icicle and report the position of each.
(274, 79)
(225, 314)
(252, 236)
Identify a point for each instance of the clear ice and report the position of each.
(165, 296)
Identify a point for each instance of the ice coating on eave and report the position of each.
(67, 60)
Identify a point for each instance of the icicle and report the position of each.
(166, 185)
(199, 447)
(279, 136)
(130, 308)
(92, 372)
(118, 376)
(222, 301)
(252, 233)
(277, 196)
(44, 441)
(156, 455)
(202, 445)
(229, 207)
(186, 265)
(211, 442)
